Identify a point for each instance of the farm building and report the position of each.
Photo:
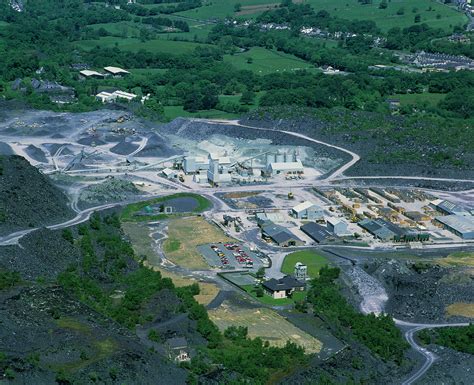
(110, 97)
(116, 71)
(88, 74)
(308, 210)
(316, 232)
(337, 227)
(462, 226)
(280, 235)
(283, 287)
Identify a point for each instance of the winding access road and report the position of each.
(429, 356)
(354, 157)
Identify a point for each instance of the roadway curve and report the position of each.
(82, 216)
(429, 356)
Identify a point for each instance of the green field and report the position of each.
(129, 211)
(265, 61)
(134, 45)
(310, 258)
(428, 98)
(388, 18)
(223, 8)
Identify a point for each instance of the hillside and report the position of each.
(27, 198)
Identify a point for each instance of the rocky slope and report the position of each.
(27, 198)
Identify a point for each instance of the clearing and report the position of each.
(263, 61)
(461, 309)
(138, 233)
(191, 232)
(310, 258)
(134, 45)
(264, 323)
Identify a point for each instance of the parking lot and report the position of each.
(230, 256)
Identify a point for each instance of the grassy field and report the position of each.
(190, 232)
(461, 258)
(428, 98)
(267, 300)
(129, 211)
(264, 323)
(138, 234)
(461, 309)
(388, 18)
(265, 61)
(313, 260)
(134, 45)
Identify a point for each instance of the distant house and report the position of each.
(308, 210)
(317, 232)
(116, 71)
(178, 350)
(393, 104)
(280, 235)
(283, 287)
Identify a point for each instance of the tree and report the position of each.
(247, 97)
(383, 4)
(259, 292)
(260, 273)
(417, 18)
(237, 7)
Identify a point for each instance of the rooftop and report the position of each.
(460, 223)
(116, 70)
(303, 206)
(316, 232)
(285, 283)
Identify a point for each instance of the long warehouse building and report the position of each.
(462, 226)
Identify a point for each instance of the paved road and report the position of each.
(429, 356)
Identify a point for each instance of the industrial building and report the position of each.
(337, 227)
(193, 164)
(448, 208)
(387, 231)
(316, 232)
(280, 235)
(283, 287)
(283, 164)
(308, 210)
(462, 226)
(219, 170)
